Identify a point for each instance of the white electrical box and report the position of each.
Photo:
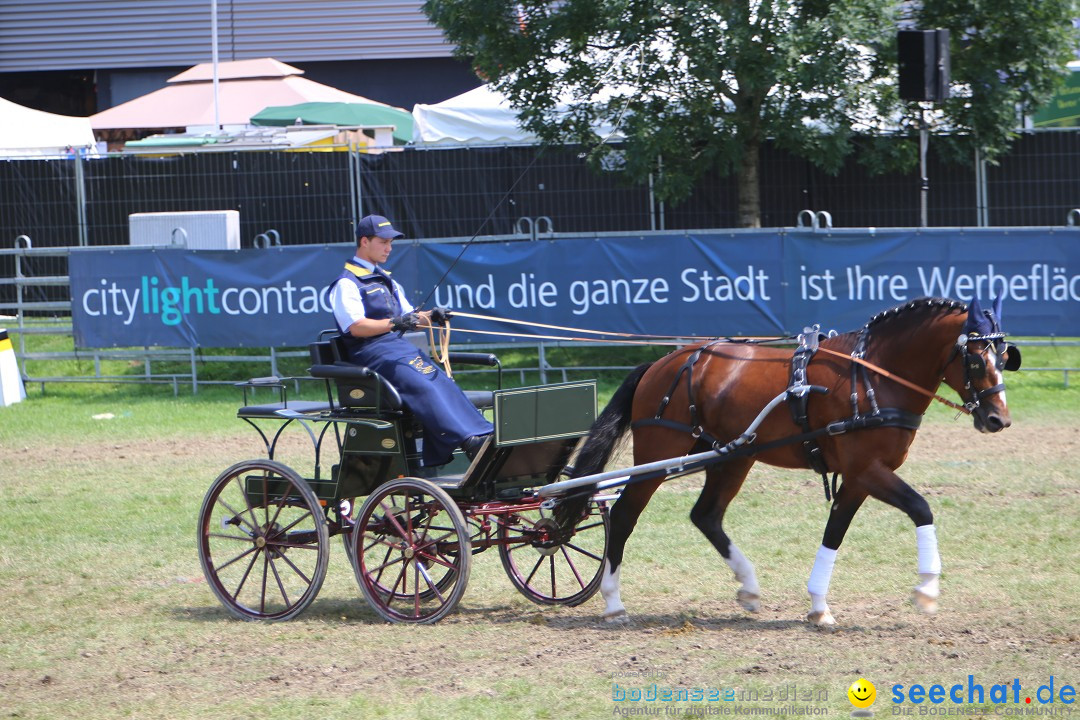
(205, 230)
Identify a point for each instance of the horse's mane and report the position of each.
(917, 310)
(913, 313)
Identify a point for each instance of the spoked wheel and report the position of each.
(412, 551)
(263, 541)
(549, 572)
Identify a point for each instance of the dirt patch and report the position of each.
(154, 641)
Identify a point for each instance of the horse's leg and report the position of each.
(887, 486)
(722, 483)
(624, 516)
(845, 504)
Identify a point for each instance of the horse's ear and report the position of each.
(997, 308)
(974, 318)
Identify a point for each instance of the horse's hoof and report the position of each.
(821, 619)
(750, 602)
(924, 602)
(619, 617)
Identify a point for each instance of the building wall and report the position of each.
(80, 57)
(59, 35)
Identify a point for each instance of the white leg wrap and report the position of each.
(926, 542)
(609, 589)
(820, 576)
(743, 569)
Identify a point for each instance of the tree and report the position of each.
(694, 85)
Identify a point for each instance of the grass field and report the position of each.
(107, 616)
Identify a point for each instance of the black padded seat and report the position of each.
(269, 410)
(481, 399)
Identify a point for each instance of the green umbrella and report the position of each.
(338, 113)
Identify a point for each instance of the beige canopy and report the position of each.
(245, 88)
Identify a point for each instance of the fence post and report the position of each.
(542, 363)
(80, 197)
(982, 216)
(194, 373)
(25, 240)
(356, 190)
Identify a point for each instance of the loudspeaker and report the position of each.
(924, 64)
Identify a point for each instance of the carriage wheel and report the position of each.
(549, 572)
(412, 551)
(263, 541)
(445, 575)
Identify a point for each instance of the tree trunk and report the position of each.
(749, 189)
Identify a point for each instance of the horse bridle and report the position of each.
(974, 363)
(974, 367)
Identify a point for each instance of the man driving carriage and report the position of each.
(371, 312)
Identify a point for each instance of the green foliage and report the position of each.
(699, 84)
(1008, 57)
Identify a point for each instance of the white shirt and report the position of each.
(348, 307)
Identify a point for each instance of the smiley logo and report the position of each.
(862, 693)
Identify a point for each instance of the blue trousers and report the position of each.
(437, 402)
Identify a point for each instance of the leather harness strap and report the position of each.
(896, 378)
(798, 398)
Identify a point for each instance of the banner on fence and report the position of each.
(706, 284)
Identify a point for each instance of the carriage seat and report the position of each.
(361, 387)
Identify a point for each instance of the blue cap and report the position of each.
(376, 225)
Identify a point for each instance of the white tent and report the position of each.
(481, 116)
(25, 131)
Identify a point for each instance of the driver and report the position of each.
(371, 312)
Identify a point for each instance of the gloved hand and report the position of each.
(441, 315)
(404, 323)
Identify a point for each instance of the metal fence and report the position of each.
(315, 197)
(49, 205)
(181, 366)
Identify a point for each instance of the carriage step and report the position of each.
(448, 482)
(269, 410)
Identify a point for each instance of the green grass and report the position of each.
(106, 615)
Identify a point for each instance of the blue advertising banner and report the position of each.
(707, 284)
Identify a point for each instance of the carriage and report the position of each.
(409, 531)
(264, 530)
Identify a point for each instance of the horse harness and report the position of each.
(797, 396)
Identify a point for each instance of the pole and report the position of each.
(924, 187)
(214, 61)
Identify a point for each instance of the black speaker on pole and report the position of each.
(924, 64)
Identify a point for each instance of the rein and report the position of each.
(676, 340)
(896, 378)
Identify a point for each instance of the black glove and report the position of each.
(441, 315)
(404, 323)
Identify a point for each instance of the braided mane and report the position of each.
(933, 305)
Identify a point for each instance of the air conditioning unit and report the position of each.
(206, 230)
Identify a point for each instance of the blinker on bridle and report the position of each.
(975, 362)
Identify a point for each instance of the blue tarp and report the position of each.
(772, 282)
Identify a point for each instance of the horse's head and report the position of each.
(976, 365)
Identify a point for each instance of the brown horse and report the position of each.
(869, 391)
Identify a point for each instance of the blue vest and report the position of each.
(377, 294)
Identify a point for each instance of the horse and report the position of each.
(856, 398)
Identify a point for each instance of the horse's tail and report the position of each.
(604, 435)
(609, 427)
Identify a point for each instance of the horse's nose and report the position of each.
(996, 423)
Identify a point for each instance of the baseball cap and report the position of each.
(376, 225)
